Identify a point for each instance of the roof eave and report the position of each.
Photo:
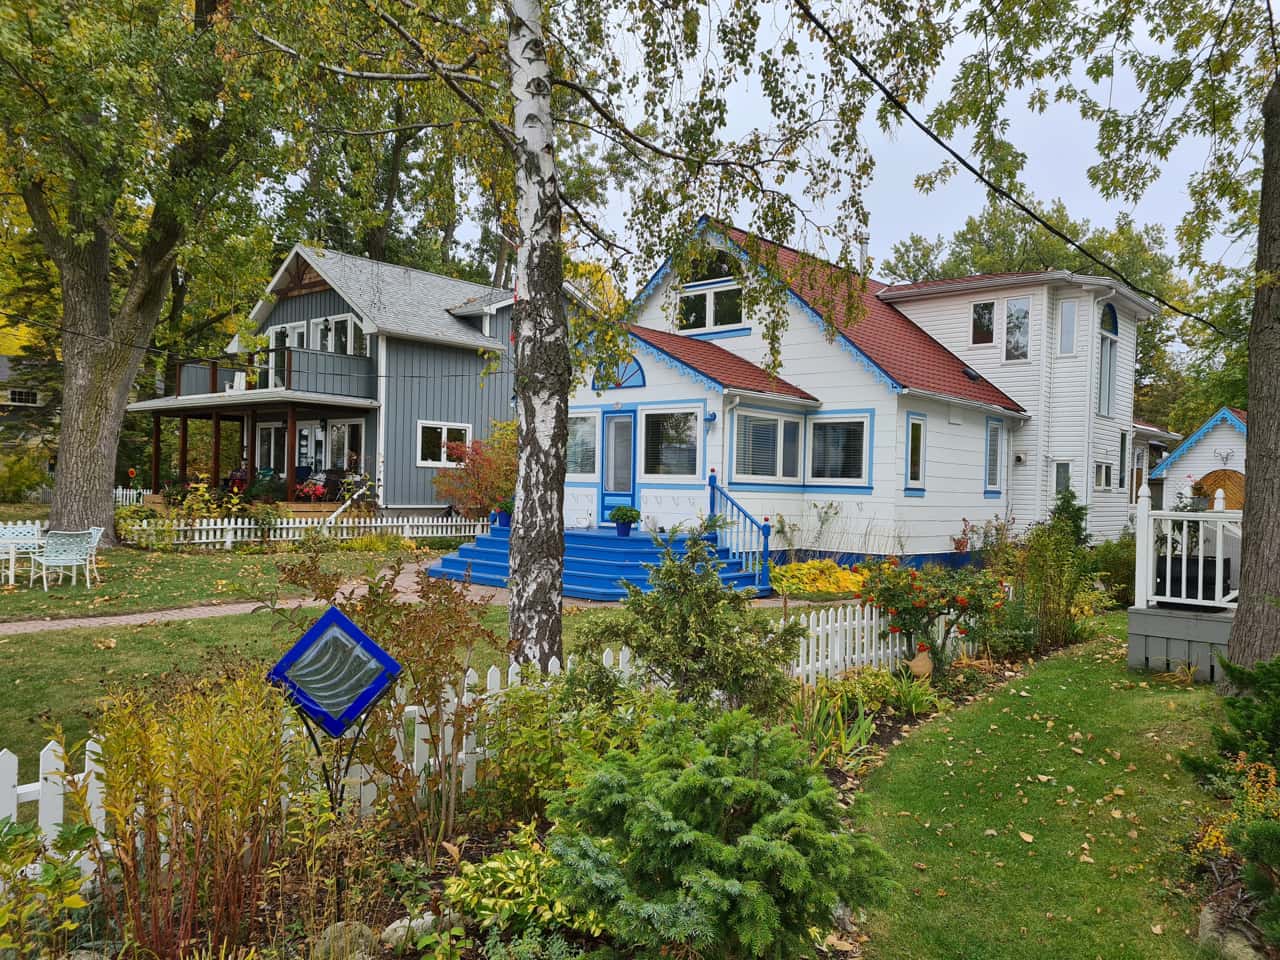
(1018, 414)
(245, 398)
(1143, 305)
(773, 397)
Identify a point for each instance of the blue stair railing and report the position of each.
(745, 537)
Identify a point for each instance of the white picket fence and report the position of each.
(223, 533)
(126, 497)
(839, 639)
(849, 637)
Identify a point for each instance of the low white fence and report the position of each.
(127, 497)
(223, 533)
(839, 639)
(1185, 557)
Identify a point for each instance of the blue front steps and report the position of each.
(594, 562)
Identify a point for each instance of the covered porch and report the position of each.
(290, 440)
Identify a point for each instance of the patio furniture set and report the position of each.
(56, 551)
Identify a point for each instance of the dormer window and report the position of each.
(713, 299)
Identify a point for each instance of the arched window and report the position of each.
(629, 374)
(1108, 342)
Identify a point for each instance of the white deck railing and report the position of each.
(1187, 557)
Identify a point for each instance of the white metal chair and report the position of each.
(95, 537)
(25, 539)
(63, 550)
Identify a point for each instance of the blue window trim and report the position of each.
(720, 333)
(915, 489)
(991, 493)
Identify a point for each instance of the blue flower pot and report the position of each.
(624, 529)
(504, 518)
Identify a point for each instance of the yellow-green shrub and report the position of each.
(815, 577)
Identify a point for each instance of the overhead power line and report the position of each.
(817, 23)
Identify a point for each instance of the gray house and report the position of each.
(369, 369)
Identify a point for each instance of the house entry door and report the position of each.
(617, 488)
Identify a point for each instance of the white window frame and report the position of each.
(444, 463)
(1004, 330)
(594, 416)
(10, 391)
(708, 289)
(330, 448)
(257, 434)
(777, 476)
(864, 480)
(642, 428)
(1108, 470)
(1070, 479)
(1075, 327)
(998, 486)
(913, 420)
(1105, 338)
(995, 340)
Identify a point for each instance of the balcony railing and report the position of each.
(285, 368)
(1187, 558)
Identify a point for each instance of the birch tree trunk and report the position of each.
(542, 364)
(1255, 633)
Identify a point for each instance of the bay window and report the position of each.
(766, 447)
(839, 450)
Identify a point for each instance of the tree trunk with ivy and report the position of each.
(543, 369)
(1255, 633)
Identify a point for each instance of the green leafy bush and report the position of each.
(716, 838)
(1068, 509)
(624, 514)
(21, 474)
(1057, 581)
(40, 901)
(1253, 713)
(914, 697)
(1011, 636)
(535, 729)
(1115, 561)
(696, 636)
(513, 890)
(533, 944)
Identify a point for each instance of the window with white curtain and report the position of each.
(838, 450)
(766, 447)
(580, 454)
(671, 444)
(995, 441)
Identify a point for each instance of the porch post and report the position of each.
(290, 451)
(1144, 548)
(711, 484)
(155, 453)
(251, 452)
(216, 479)
(182, 450)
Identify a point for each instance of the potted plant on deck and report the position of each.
(503, 510)
(623, 518)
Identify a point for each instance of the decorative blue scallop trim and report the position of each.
(1222, 416)
(679, 366)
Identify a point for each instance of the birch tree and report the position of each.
(654, 82)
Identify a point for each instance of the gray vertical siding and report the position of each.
(308, 306)
(425, 381)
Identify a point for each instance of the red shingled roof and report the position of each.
(911, 357)
(1242, 414)
(725, 368)
(973, 278)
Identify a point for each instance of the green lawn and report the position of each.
(23, 511)
(58, 675)
(140, 580)
(1044, 821)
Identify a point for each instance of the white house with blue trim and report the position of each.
(940, 401)
(1216, 445)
